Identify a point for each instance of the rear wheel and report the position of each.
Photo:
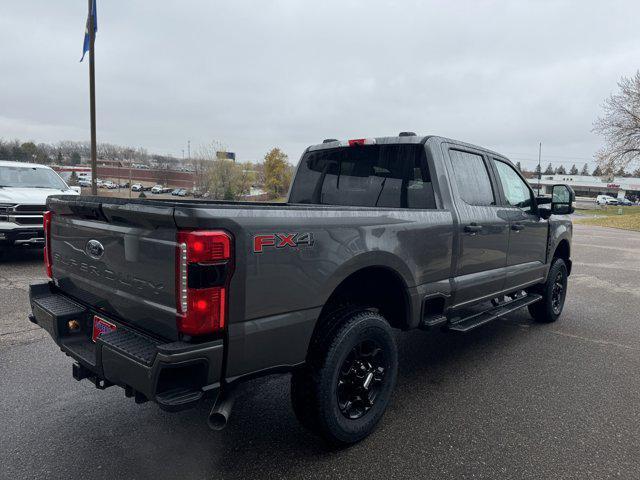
(554, 293)
(343, 391)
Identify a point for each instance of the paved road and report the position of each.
(511, 400)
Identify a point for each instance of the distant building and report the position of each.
(226, 156)
(588, 186)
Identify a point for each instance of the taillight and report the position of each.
(203, 269)
(48, 265)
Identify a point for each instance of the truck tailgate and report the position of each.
(118, 258)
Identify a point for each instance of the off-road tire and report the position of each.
(548, 309)
(314, 388)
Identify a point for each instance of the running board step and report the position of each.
(479, 319)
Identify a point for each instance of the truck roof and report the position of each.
(10, 163)
(409, 139)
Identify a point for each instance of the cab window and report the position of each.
(472, 178)
(516, 191)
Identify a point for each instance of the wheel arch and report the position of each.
(563, 251)
(372, 280)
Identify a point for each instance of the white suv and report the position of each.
(24, 188)
(606, 200)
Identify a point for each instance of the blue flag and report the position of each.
(94, 13)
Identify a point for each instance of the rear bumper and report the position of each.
(176, 375)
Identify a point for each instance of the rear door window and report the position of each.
(394, 176)
(472, 178)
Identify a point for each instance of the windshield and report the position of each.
(30, 177)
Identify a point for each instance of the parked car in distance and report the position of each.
(157, 189)
(606, 200)
(85, 183)
(624, 201)
(180, 192)
(137, 187)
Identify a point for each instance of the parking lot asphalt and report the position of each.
(511, 400)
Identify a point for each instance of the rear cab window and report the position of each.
(390, 175)
(472, 178)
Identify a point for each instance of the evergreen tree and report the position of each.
(597, 172)
(585, 170)
(561, 170)
(574, 170)
(549, 170)
(73, 179)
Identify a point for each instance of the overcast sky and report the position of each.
(259, 74)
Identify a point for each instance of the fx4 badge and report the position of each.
(281, 240)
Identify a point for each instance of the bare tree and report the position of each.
(620, 126)
(163, 175)
(202, 164)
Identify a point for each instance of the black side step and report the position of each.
(479, 319)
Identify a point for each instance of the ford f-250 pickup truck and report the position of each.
(180, 300)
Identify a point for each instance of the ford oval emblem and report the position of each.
(94, 249)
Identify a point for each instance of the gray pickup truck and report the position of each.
(180, 300)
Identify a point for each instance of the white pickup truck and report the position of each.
(24, 188)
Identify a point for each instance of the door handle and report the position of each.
(473, 228)
(517, 227)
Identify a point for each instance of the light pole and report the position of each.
(539, 166)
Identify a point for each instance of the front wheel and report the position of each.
(343, 391)
(554, 293)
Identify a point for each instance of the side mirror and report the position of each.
(562, 199)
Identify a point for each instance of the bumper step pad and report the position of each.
(139, 348)
(179, 399)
